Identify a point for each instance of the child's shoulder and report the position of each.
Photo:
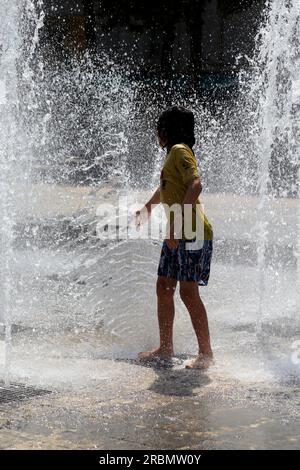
(181, 150)
(181, 147)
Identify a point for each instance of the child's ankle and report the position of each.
(208, 353)
(166, 350)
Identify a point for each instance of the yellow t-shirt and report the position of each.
(179, 168)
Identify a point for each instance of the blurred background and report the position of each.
(143, 57)
(196, 38)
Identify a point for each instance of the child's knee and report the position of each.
(165, 287)
(184, 294)
(187, 291)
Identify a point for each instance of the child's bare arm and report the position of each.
(193, 191)
(191, 196)
(153, 201)
(147, 208)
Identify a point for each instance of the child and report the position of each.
(180, 260)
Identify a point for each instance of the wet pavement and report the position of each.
(137, 407)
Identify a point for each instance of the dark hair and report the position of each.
(178, 124)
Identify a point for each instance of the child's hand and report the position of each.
(137, 219)
(172, 244)
(140, 216)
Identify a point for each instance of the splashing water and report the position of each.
(9, 152)
(276, 88)
(82, 133)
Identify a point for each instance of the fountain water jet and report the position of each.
(275, 88)
(9, 151)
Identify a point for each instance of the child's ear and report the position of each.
(164, 136)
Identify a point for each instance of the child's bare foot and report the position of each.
(156, 354)
(202, 361)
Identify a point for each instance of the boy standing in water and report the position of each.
(182, 259)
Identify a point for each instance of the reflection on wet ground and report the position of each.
(123, 405)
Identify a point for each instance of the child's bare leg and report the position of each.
(189, 293)
(165, 288)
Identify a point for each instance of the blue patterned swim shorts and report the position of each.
(186, 264)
